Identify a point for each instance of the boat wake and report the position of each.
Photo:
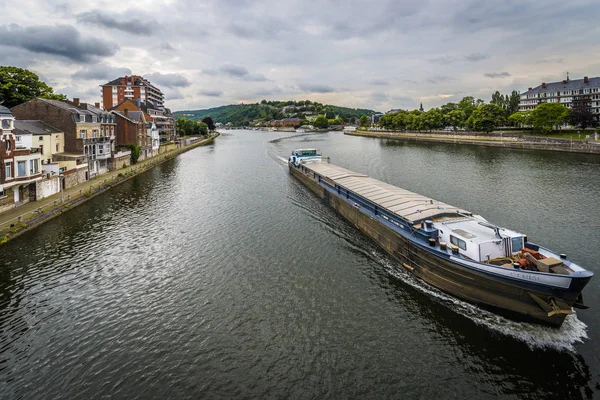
(535, 336)
(282, 159)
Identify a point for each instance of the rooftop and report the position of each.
(34, 127)
(4, 111)
(573, 84)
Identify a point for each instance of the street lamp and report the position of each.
(62, 193)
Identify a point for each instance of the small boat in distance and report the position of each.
(450, 248)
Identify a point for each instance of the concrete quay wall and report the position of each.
(525, 143)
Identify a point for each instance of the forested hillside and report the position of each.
(245, 114)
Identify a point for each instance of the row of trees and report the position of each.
(188, 127)
(469, 113)
(503, 110)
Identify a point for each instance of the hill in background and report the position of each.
(248, 114)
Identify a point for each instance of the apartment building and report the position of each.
(131, 88)
(570, 92)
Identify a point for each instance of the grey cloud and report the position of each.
(443, 60)
(59, 40)
(211, 93)
(234, 70)
(172, 93)
(267, 91)
(496, 74)
(101, 71)
(378, 82)
(477, 57)
(126, 22)
(168, 80)
(315, 88)
(166, 46)
(237, 71)
(550, 61)
(379, 97)
(440, 79)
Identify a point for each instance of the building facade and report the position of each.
(574, 93)
(132, 129)
(20, 167)
(35, 133)
(131, 88)
(84, 133)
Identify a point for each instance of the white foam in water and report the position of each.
(571, 332)
(282, 159)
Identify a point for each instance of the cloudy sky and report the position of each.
(374, 54)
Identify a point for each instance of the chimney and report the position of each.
(529, 88)
(97, 105)
(132, 80)
(564, 81)
(586, 80)
(125, 112)
(543, 85)
(76, 101)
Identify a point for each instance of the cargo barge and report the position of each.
(450, 248)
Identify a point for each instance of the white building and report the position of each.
(585, 92)
(154, 135)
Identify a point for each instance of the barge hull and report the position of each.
(511, 299)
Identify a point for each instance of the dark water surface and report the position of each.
(218, 275)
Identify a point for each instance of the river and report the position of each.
(218, 275)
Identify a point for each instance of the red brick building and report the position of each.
(131, 87)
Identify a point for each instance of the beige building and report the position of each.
(37, 134)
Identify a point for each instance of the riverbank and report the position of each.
(31, 215)
(515, 142)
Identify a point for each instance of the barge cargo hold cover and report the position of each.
(451, 248)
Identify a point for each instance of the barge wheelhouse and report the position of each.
(448, 247)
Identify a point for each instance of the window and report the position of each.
(57, 147)
(458, 242)
(8, 170)
(81, 118)
(41, 138)
(34, 168)
(8, 145)
(21, 168)
(6, 124)
(18, 138)
(82, 133)
(94, 118)
(94, 132)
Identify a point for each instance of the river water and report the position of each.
(218, 275)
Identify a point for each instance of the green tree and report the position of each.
(520, 119)
(414, 121)
(321, 122)
(512, 105)
(456, 119)
(202, 128)
(486, 117)
(446, 108)
(548, 115)
(364, 120)
(19, 85)
(467, 105)
(399, 120)
(432, 119)
(498, 99)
